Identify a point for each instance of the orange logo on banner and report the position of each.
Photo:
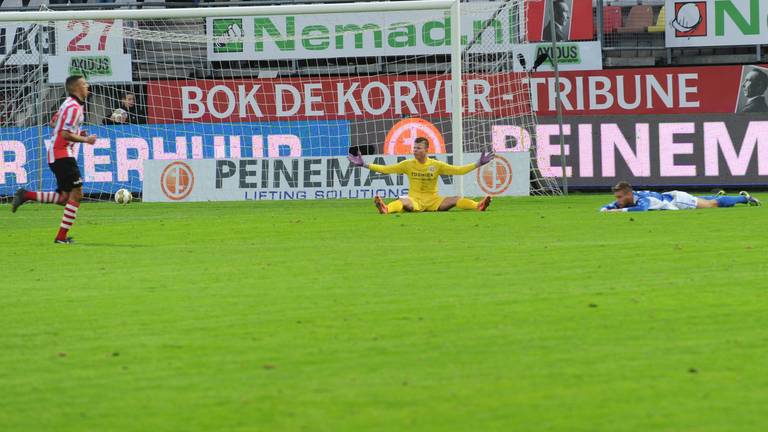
(400, 138)
(495, 177)
(177, 180)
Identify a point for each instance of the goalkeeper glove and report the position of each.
(356, 160)
(485, 158)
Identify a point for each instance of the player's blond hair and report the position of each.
(622, 186)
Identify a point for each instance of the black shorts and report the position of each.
(67, 174)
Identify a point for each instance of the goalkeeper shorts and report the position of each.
(425, 203)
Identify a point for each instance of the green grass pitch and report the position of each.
(539, 315)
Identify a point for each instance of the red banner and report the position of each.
(649, 91)
(298, 99)
(681, 90)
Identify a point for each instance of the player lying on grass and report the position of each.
(629, 200)
(423, 173)
(61, 159)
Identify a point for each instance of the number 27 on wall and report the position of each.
(76, 44)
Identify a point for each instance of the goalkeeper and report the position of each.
(422, 175)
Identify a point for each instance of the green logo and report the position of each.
(90, 66)
(747, 26)
(287, 33)
(566, 53)
(227, 35)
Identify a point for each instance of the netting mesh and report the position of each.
(277, 86)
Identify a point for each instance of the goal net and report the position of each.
(269, 83)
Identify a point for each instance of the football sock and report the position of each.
(727, 201)
(466, 204)
(43, 197)
(70, 213)
(395, 206)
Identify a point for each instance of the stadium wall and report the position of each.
(680, 126)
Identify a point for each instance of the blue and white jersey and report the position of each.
(647, 200)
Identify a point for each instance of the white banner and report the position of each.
(572, 56)
(315, 178)
(92, 48)
(349, 34)
(716, 23)
(380, 34)
(20, 42)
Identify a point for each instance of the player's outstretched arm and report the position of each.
(448, 169)
(357, 160)
(643, 204)
(612, 207)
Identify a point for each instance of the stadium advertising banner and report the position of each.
(659, 126)
(91, 48)
(696, 23)
(316, 178)
(399, 33)
(618, 91)
(20, 43)
(279, 99)
(116, 160)
(677, 90)
(572, 56)
(705, 150)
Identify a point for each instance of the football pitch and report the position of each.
(539, 315)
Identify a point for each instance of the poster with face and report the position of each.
(561, 21)
(572, 20)
(753, 90)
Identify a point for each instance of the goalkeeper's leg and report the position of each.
(464, 203)
(396, 206)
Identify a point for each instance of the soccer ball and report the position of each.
(123, 196)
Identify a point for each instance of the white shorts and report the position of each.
(683, 200)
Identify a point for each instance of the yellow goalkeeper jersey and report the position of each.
(422, 177)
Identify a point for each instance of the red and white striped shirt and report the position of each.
(69, 117)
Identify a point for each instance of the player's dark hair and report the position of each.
(423, 141)
(622, 186)
(71, 81)
(761, 84)
(125, 94)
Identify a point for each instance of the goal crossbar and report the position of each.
(299, 9)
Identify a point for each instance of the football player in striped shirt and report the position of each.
(62, 160)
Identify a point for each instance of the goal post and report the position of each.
(456, 85)
(273, 83)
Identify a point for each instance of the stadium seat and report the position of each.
(611, 19)
(639, 19)
(660, 22)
